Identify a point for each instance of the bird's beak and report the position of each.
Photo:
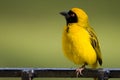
(65, 14)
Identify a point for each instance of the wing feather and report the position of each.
(95, 44)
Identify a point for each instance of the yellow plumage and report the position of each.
(79, 40)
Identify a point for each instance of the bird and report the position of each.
(79, 40)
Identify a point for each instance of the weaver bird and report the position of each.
(80, 43)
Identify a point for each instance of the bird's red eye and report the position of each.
(72, 15)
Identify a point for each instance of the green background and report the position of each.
(31, 31)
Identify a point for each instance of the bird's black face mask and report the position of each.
(70, 16)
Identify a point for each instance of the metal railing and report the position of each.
(31, 73)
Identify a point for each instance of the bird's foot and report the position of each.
(79, 71)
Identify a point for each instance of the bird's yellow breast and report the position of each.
(77, 46)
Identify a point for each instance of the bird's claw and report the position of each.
(79, 71)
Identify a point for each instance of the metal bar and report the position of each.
(64, 73)
(30, 73)
(27, 74)
(103, 74)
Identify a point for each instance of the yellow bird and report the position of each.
(80, 43)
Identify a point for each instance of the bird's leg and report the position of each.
(80, 69)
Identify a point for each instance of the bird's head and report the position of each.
(75, 15)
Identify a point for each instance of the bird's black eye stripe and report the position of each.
(71, 13)
(72, 17)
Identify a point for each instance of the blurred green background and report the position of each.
(31, 31)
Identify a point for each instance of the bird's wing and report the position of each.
(95, 44)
